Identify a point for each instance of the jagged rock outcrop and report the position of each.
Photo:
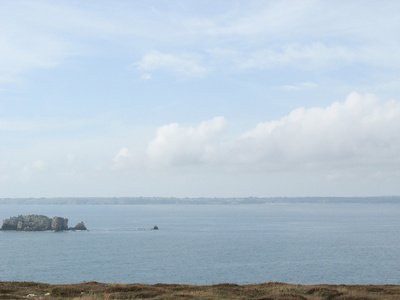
(59, 224)
(27, 223)
(39, 223)
(79, 226)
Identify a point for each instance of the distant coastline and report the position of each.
(199, 200)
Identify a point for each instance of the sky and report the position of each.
(199, 98)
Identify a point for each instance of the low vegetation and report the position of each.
(262, 291)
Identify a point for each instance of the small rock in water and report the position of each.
(155, 227)
(80, 226)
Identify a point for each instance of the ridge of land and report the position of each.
(197, 200)
(262, 291)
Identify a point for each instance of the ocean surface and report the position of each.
(208, 244)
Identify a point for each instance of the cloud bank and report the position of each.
(359, 133)
(352, 142)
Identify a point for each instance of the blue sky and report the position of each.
(199, 98)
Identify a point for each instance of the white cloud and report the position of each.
(146, 76)
(178, 145)
(316, 20)
(360, 132)
(265, 21)
(356, 139)
(28, 43)
(298, 30)
(127, 159)
(300, 86)
(18, 57)
(314, 55)
(121, 160)
(186, 64)
(306, 55)
(45, 34)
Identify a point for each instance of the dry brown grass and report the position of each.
(262, 291)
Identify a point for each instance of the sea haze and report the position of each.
(305, 243)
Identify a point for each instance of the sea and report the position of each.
(300, 243)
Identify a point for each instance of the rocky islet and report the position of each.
(39, 223)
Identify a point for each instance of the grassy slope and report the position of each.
(265, 291)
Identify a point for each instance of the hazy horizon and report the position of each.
(199, 98)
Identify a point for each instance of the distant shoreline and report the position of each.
(268, 290)
(199, 200)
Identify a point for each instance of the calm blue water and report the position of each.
(208, 244)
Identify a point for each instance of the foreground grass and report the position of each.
(263, 291)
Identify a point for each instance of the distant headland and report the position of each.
(196, 200)
(39, 223)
